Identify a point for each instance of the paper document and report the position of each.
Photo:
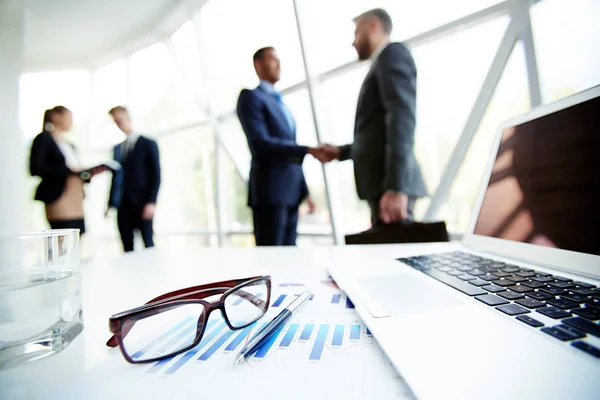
(323, 351)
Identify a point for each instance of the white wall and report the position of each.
(12, 152)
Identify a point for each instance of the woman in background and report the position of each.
(55, 161)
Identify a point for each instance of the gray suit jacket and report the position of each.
(384, 129)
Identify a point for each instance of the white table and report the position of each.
(110, 286)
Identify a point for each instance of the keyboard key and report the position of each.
(512, 309)
(516, 279)
(491, 300)
(445, 269)
(533, 284)
(584, 285)
(510, 295)
(476, 272)
(479, 282)
(488, 269)
(494, 288)
(542, 273)
(530, 303)
(588, 348)
(583, 325)
(526, 269)
(465, 277)
(520, 289)
(593, 303)
(501, 274)
(563, 303)
(454, 272)
(510, 269)
(577, 334)
(587, 312)
(561, 285)
(488, 277)
(540, 296)
(455, 283)
(525, 274)
(542, 279)
(530, 321)
(577, 298)
(559, 333)
(562, 278)
(553, 312)
(503, 282)
(583, 292)
(464, 268)
(554, 291)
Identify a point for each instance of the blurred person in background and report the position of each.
(55, 161)
(276, 186)
(135, 187)
(386, 171)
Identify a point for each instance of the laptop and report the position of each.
(513, 311)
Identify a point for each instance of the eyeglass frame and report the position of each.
(192, 295)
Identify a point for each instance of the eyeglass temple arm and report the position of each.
(192, 293)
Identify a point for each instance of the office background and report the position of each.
(479, 62)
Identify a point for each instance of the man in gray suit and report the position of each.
(386, 171)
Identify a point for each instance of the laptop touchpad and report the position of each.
(402, 294)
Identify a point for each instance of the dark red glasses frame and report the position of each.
(120, 324)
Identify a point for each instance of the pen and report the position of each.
(265, 333)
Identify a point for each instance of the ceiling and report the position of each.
(67, 34)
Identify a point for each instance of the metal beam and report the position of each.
(337, 235)
(481, 103)
(522, 13)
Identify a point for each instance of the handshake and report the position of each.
(325, 153)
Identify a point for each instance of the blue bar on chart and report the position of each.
(238, 301)
(338, 335)
(191, 353)
(355, 332)
(215, 346)
(335, 299)
(369, 332)
(289, 335)
(239, 338)
(312, 296)
(317, 349)
(308, 328)
(349, 303)
(173, 343)
(264, 349)
(171, 331)
(279, 300)
(160, 363)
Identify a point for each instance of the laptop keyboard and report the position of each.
(521, 292)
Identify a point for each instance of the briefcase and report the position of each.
(401, 232)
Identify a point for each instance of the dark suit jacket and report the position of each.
(48, 162)
(385, 127)
(139, 179)
(276, 177)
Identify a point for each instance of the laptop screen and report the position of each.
(545, 184)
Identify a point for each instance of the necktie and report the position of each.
(286, 112)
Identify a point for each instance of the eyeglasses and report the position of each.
(175, 322)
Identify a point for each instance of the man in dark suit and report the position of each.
(135, 187)
(386, 171)
(276, 185)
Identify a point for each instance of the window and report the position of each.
(510, 99)
(567, 39)
(161, 100)
(231, 37)
(186, 197)
(329, 29)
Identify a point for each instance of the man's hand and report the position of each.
(393, 207)
(148, 212)
(325, 153)
(312, 207)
